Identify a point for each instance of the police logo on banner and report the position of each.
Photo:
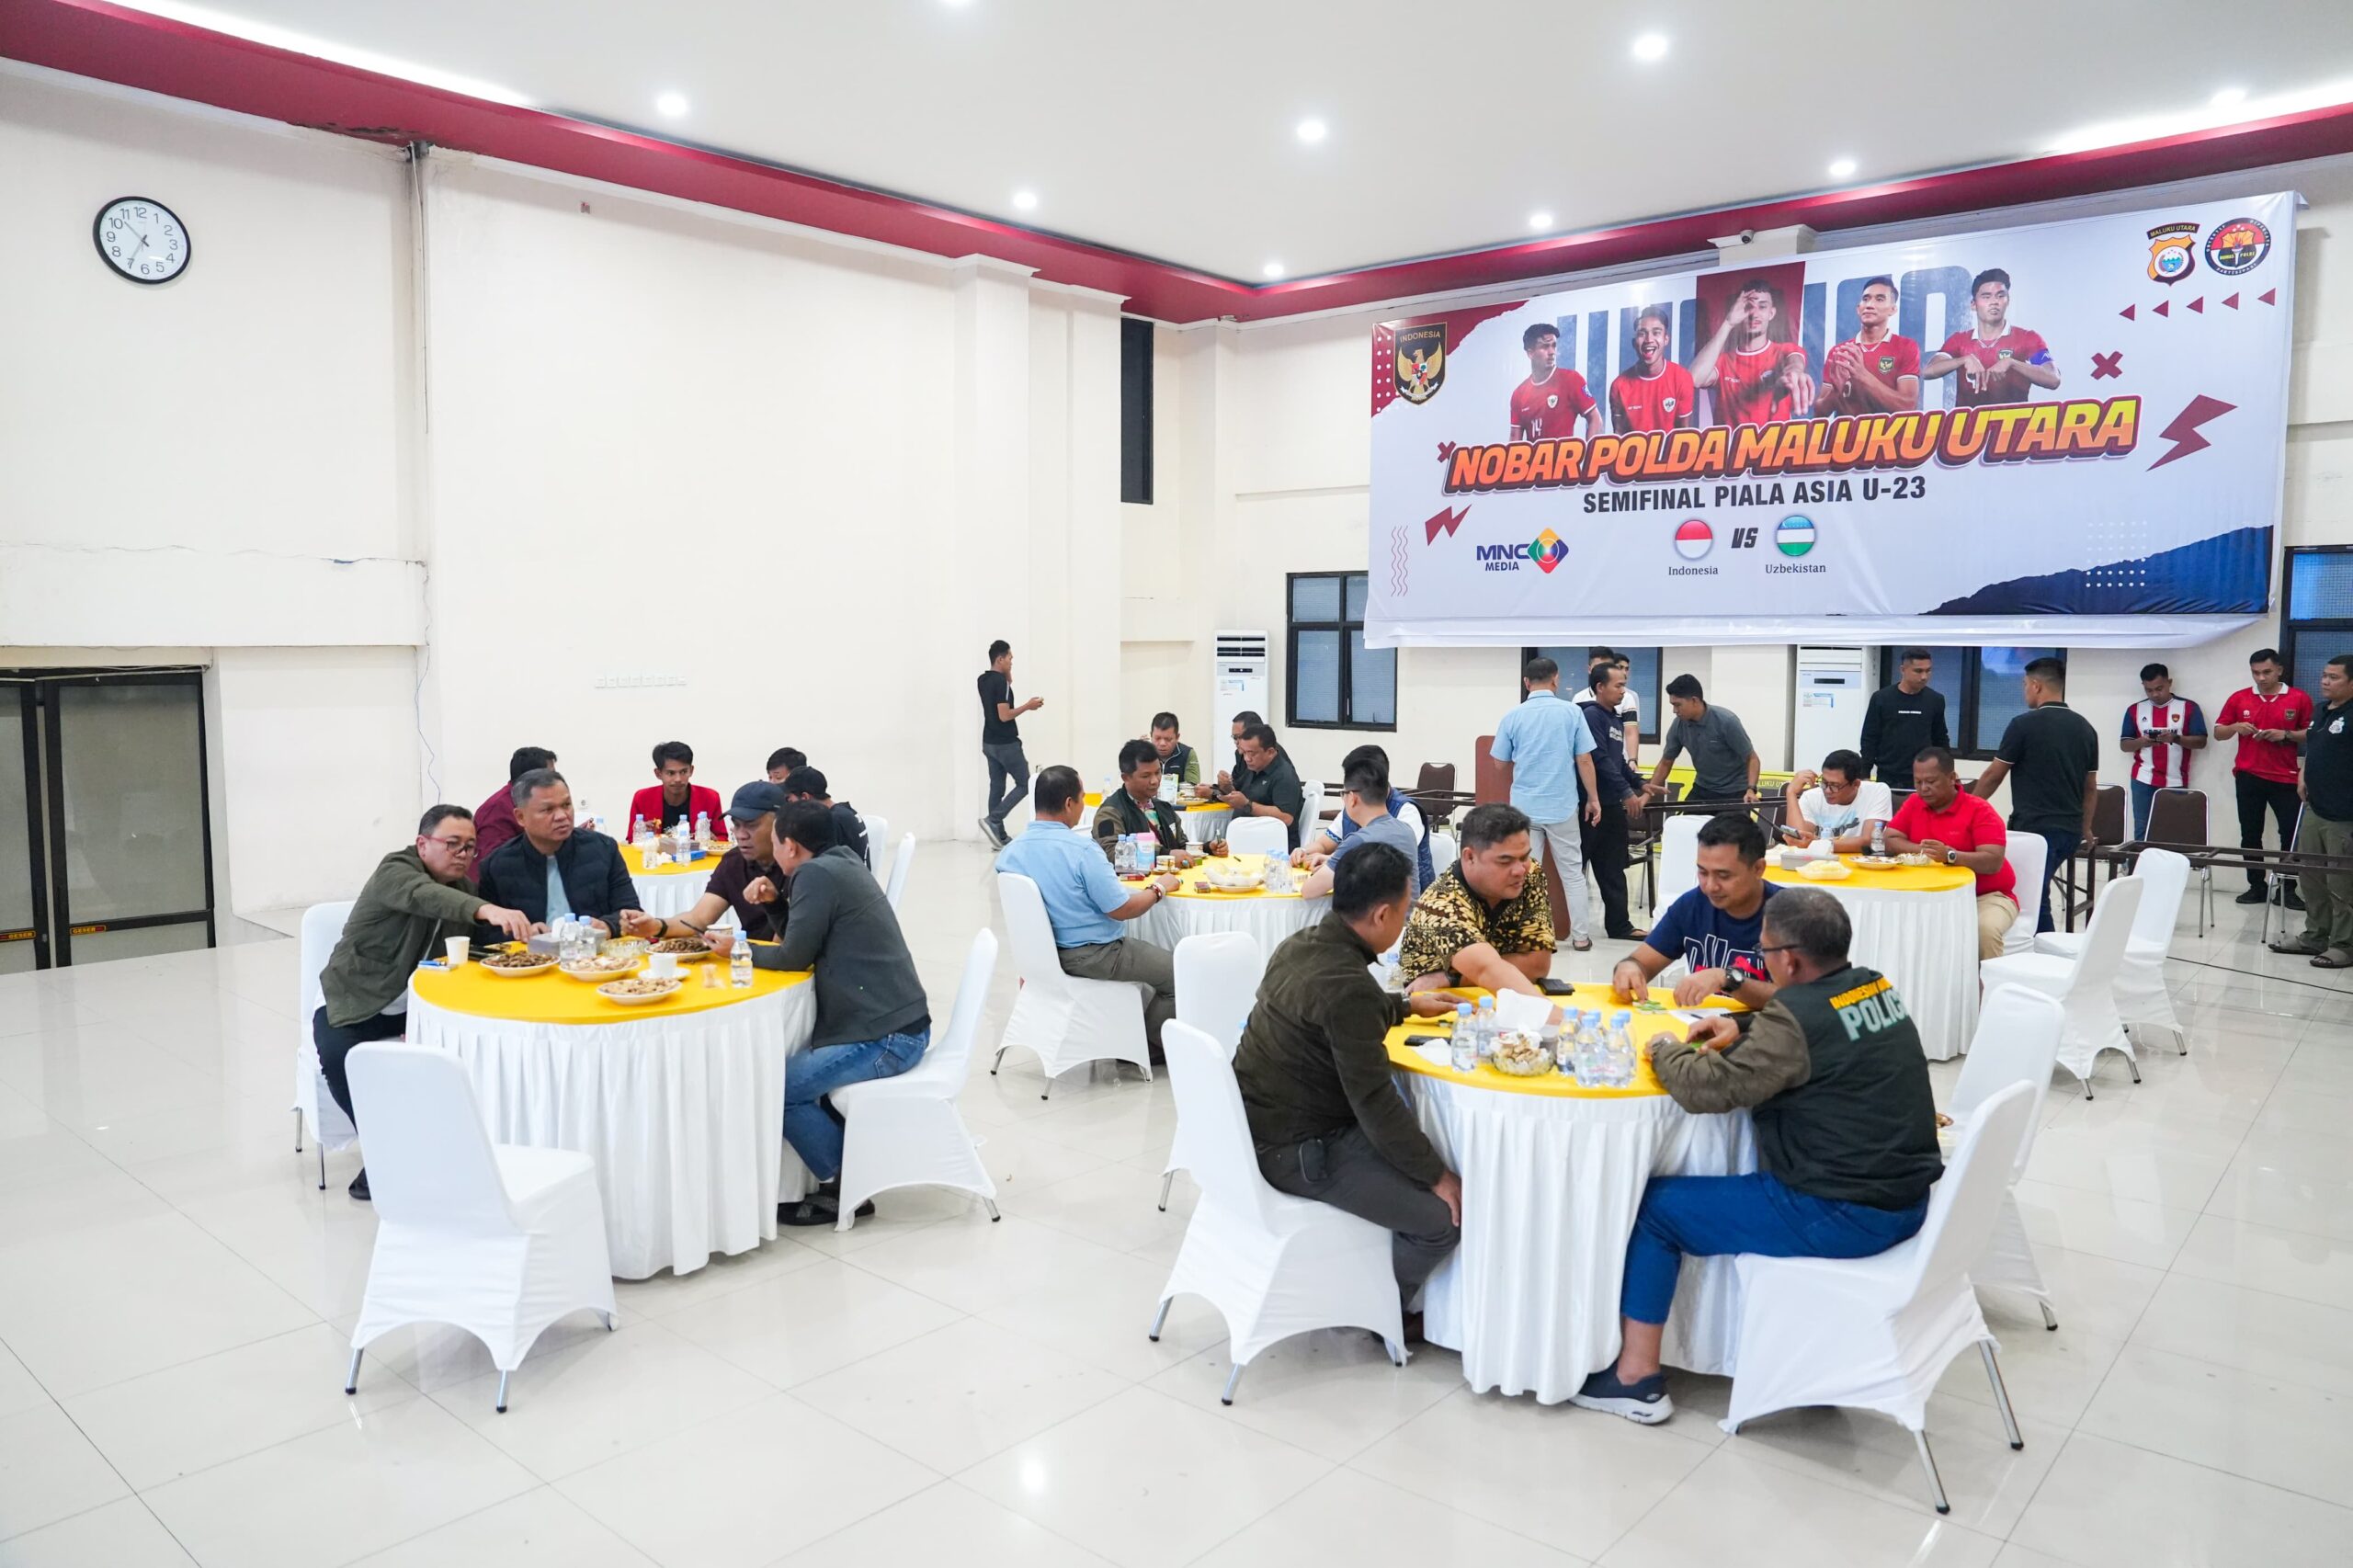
(2237, 247)
(2171, 255)
(1421, 361)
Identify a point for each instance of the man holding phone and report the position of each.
(2160, 732)
(2268, 721)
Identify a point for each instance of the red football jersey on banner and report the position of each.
(1890, 359)
(1655, 402)
(2016, 343)
(1543, 411)
(1749, 386)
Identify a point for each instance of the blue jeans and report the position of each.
(1711, 1216)
(2141, 795)
(810, 1125)
(2062, 850)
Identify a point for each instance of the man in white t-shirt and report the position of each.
(1837, 804)
(1629, 707)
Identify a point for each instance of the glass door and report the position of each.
(24, 917)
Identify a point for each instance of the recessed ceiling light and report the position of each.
(1842, 168)
(671, 104)
(1312, 131)
(1026, 201)
(955, 5)
(2229, 98)
(1651, 46)
(1273, 269)
(1540, 222)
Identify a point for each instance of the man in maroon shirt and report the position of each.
(1997, 362)
(1554, 399)
(1758, 377)
(494, 820)
(1878, 369)
(2268, 720)
(1653, 392)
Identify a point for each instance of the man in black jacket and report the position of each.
(1604, 843)
(555, 871)
(1831, 1073)
(1136, 807)
(1903, 720)
(805, 783)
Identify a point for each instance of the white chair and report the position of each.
(1258, 835)
(2086, 987)
(492, 1238)
(2016, 1043)
(1066, 1021)
(901, 863)
(2027, 853)
(1877, 1333)
(878, 838)
(1310, 807)
(1272, 1264)
(2141, 993)
(1679, 860)
(905, 1132)
(1411, 816)
(322, 930)
(1217, 981)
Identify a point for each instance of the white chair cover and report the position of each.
(1445, 849)
(2016, 1043)
(1310, 807)
(1877, 1333)
(322, 1117)
(1066, 1021)
(1217, 981)
(2086, 987)
(877, 839)
(1258, 835)
(901, 864)
(1411, 816)
(1678, 860)
(498, 1240)
(906, 1131)
(2141, 993)
(1272, 1264)
(2027, 853)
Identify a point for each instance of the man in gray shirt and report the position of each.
(1365, 798)
(1723, 763)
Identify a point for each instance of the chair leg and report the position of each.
(1929, 1463)
(999, 1062)
(351, 1378)
(2134, 1067)
(612, 1321)
(990, 1204)
(298, 1130)
(1167, 1180)
(502, 1395)
(1159, 1320)
(2001, 1394)
(1231, 1379)
(1397, 1352)
(2050, 1318)
(323, 1165)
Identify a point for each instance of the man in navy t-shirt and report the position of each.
(1717, 928)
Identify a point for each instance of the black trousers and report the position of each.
(334, 1043)
(1605, 857)
(1346, 1171)
(2255, 796)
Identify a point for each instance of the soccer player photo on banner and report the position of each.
(1945, 439)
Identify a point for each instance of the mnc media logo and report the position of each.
(1548, 550)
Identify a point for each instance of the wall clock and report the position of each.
(142, 240)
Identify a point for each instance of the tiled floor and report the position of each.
(175, 1293)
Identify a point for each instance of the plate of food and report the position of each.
(1233, 879)
(638, 990)
(631, 946)
(1916, 858)
(509, 962)
(1825, 871)
(687, 950)
(1877, 862)
(1520, 1054)
(604, 966)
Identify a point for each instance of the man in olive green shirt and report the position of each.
(416, 899)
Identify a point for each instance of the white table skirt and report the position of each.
(671, 894)
(1549, 1189)
(1205, 827)
(1925, 943)
(1268, 919)
(684, 1115)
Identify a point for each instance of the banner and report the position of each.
(1948, 440)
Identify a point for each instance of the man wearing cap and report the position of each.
(745, 880)
(805, 783)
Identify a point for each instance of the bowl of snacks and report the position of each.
(1825, 871)
(638, 990)
(687, 950)
(631, 946)
(1521, 1054)
(1233, 879)
(1916, 858)
(604, 966)
(509, 962)
(1877, 862)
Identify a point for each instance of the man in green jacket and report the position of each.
(416, 898)
(1831, 1071)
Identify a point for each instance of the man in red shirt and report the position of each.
(494, 820)
(2268, 720)
(1552, 399)
(677, 799)
(1878, 369)
(1653, 392)
(1959, 829)
(1998, 362)
(1758, 378)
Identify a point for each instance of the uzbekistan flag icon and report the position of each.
(1694, 539)
(1795, 536)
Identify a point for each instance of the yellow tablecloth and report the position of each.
(634, 859)
(1558, 1086)
(553, 998)
(1209, 806)
(1194, 883)
(1896, 878)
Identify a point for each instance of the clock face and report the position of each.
(142, 240)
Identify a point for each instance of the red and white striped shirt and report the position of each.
(2164, 767)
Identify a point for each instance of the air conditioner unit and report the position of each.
(1242, 674)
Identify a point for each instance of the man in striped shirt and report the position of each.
(2160, 732)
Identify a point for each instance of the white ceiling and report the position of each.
(1169, 130)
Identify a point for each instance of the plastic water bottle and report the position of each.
(1593, 1067)
(1488, 1027)
(637, 831)
(1465, 1050)
(1878, 838)
(1621, 1049)
(702, 828)
(739, 963)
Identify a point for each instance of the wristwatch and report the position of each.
(1952, 857)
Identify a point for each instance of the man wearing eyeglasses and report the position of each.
(416, 898)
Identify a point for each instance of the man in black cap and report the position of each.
(805, 783)
(745, 880)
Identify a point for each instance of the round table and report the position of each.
(1552, 1173)
(1917, 926)
(679, 1102)
(1191, 912)
(669, 891)
(1205, 821)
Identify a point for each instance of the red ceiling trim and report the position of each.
(90, 37)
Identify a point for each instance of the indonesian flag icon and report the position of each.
(1694, 539)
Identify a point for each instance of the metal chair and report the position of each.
(1437, 780)
(2177, 822)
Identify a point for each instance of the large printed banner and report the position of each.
(1950, 440)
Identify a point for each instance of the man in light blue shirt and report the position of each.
(1085, 901)
(1546, 748)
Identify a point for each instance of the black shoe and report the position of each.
(2252, 895)
(2294, 902)
(359, 1187)
(1644, 1400)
